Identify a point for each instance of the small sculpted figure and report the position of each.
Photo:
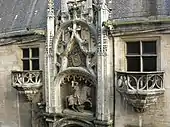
(80, 98)
(74, 99)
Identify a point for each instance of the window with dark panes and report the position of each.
(30, 58)
(141, 56)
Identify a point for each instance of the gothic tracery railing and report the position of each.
(26, 78)
(27, 82)
(140, 89)
(140, 81)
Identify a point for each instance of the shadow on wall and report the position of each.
(24, 111)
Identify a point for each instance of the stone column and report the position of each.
(105, 71)
(49, 57)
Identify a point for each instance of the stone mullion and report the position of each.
(104, 72)
(109, 79)
(106, 81)
(100, 89)
(110, 75)
(100, 74)
(51, 69)
(46, 78)
(49, 57)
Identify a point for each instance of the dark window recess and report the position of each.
(26, 65)
(30, 59)
(133, 63)
(35, 52)
(35, 64)
(149, 63)
(26, 53)
(133, 48)
(149, 47)
(141, 56)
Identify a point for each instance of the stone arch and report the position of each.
(64, 89)
(72, 122)
(63, 60)
(75, 70)
(65, 25)
(79, 70)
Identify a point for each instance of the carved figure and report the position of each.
(86, 97)
(74, 99)
(81, 97)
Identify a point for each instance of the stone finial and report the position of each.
(50, 11)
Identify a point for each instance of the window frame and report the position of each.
(143, 39)
(30, 58)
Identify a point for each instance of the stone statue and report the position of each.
(74, 99)
(86, 97)
(81, 97)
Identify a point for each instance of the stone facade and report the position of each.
(15, 109)
(157, 114)
(83, 77)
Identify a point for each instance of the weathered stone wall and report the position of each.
(158, 114)
(15, 110)
(10, 109)
(120, 51)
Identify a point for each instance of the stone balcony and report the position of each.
(140, 89)
(27, 82)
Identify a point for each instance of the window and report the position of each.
(141, 56)
(30, 58)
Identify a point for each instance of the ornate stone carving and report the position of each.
(74, 43)
(79, 97)
(79, 9)
(92, 63)
(80, 93)
(140, 89)
(103, 40)
(27, 82)
(76, 57)
(76, 122)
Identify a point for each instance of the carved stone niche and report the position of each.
(140, 89)
(78, 95)
(27, 82)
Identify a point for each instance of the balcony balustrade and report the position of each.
(140, 89)
(27, 82)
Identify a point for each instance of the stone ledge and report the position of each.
(101, 123)
(87, 115)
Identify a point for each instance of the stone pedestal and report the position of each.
(86, 115)
(99, 123)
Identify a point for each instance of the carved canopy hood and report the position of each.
(75, 60)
